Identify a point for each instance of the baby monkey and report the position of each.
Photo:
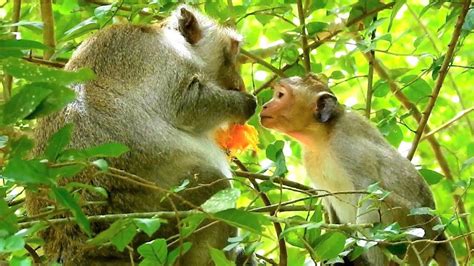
(344, 152)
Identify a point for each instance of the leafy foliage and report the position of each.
(409, 46)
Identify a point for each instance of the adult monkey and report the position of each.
(344, 152)
(161, 90)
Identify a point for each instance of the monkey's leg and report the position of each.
(366, 214)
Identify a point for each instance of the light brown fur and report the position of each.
(344, 152)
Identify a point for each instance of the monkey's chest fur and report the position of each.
(327, 174)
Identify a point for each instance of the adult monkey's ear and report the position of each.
(189, 26)
(326, 107)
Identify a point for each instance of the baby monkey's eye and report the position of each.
(280, 94)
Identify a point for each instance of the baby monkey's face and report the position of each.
(298, 103)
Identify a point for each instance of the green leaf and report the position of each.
(294, 235)
(469, 21)
(252, 222)
(468, 163)
(98, 190)
(66, 199)
(21, 69)
(108, 234)
(381, 88)
(264, 19)
(315, 27)
(274, 152)
(148, 225)
(66, 170)
(13, 243)
(55, 101)
(58, 142)
(219, 258)
(396, 7)
(122, 238)
(20, 261)
(190, 224)
(329, 245)
(273, 149)
(222, 200)
(173, 255)
(363, 7)
(80, 29)
(24, 102)
(336, 75)
(431, 176)
(155, 251)
(422, 211)
(21, 45)
(112, 149)
(313, 233)
(8, 222)
(101, 164)
(27, 172)
(21, 147)
(418, 90)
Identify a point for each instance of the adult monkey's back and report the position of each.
(161, 90)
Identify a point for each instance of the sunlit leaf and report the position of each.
(219, 258)
(222, 200)
(32, 72)
(66, 199)
(329, 245)
(154, 251)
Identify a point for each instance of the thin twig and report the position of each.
(450, 76)
(276, 180)
(350, 23)
(44, 62)
(263, 63)
(327, 38)
(447, 124)
(370, 75)
(304, 37)
(273, 212)
(443, 163)
(33, 254)
(126, 8)
(439, 82)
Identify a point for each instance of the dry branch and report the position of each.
(442, 75)
(304, 37)
(443, 163)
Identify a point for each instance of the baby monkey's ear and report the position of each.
(326, 107)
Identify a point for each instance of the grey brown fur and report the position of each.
(344, 152)
(161, 90)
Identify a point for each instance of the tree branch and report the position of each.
(443, 163)
(450, 76)
(273, 212)
(447, 124)
(48, 28)
(439, 82)
(370, 76)
(304, 37)
(262, 62)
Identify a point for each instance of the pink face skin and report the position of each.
(291, 108)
